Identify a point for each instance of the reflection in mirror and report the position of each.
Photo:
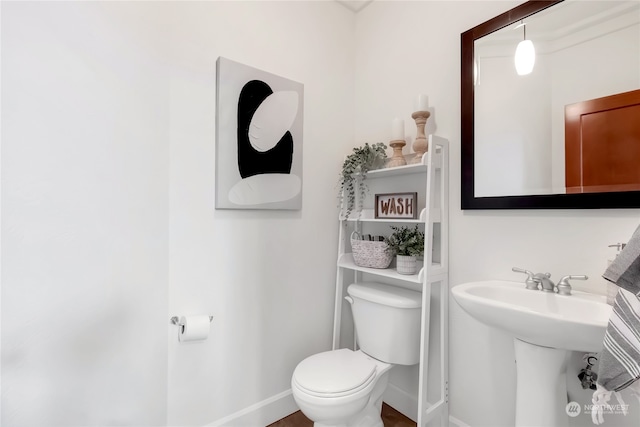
(583, 51)
(565, 134)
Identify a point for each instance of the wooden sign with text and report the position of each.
(397, 206)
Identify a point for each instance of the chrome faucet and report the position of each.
(564, 287)
(529, 283)
(543, 281)
(536, 281)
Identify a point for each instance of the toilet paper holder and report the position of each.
(176, 320)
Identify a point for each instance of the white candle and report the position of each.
(397, 129)
(423, 103)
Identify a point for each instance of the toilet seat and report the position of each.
(334, 373)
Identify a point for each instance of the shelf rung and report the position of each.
(400, 170)
(368, 215)
(346, 261)
(431, 412)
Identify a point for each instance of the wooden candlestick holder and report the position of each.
(397, 159)
(420, 145)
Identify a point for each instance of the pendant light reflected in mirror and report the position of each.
(525, 54)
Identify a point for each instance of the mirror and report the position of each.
(519, 143)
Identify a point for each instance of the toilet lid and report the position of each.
(335, 372)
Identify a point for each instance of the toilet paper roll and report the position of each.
(194, 328)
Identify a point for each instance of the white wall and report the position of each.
(268, 277)
(85, 190)
(506, 127)
(109, 227)
(407, 48)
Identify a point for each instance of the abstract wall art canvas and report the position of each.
(258, 139)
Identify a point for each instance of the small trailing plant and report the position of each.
(356, 165)
(405, 241)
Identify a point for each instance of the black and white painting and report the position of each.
(258, 139)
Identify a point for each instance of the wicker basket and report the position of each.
(370, 254)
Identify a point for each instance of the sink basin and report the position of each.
(576, 322)
(545, 327)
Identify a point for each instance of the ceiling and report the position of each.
(568, 17)
(355, 5)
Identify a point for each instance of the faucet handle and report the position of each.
(564, 287)
(521, 270)
(530, 283)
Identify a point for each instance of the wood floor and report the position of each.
(390, 417)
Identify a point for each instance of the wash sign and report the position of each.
(397, 206)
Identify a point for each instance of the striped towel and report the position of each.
(624, 271)
(620, 356)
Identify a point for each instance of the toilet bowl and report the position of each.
(341, 388)
(344, 388)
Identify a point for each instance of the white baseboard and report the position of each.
(401, 401)
(407, 404)
(279, 406)
(262, 413)
(454, 422)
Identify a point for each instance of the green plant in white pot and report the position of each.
(407, 244)
(355, 167)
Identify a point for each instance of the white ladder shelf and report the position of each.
(433, 273)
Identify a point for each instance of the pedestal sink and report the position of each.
(546, 327)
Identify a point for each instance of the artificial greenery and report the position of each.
(355, 167)
(406, 241)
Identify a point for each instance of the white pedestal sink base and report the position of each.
(541, 386)
(551, 326)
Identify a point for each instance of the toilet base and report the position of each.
(371, 415)
(367, 419)
(361, 408)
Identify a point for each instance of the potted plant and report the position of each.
(407, 244)
(355, 167)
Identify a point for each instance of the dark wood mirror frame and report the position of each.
(624, 199)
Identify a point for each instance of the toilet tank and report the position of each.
(387, 321)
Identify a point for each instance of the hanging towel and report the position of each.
(601, 399)
(620, 357)
(624, 271)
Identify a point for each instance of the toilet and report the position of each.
(344, 388)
